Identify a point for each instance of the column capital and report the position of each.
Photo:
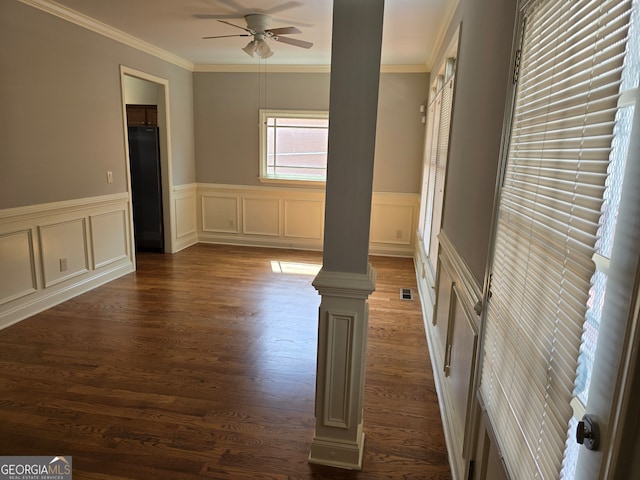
(346, 284)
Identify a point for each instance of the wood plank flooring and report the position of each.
(201, 365)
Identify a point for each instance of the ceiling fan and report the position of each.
(259, 27)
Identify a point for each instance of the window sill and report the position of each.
(293, 181)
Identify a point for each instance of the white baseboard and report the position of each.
(47, 299)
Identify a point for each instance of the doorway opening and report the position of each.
(146, 176)
(145, 109)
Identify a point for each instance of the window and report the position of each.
(293, 146)
(435, 161)
(558, 171)
(606, 236)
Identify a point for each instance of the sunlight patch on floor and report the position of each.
(295, 268)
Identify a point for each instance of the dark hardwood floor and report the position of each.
(202, 365)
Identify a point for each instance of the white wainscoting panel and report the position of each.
(391, 223)
(303, 219)
(261, 216)
(452, 324)
(63, 242)
(294, 218)
(108, 237)
(52, 252)
(186, 222)
(220, 213)
(341, 330)
(17, 265)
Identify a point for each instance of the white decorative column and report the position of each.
(346, 279)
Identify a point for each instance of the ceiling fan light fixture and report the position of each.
(262, 49)
(250, 48)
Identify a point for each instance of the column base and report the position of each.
(333, 453)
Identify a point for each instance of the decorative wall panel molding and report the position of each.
(294, 218)
(64, 250)
(17, 264)
(449, 300)
(220, 213)
(392, 221)
(340, 331)
(52, 252)
(304, 219)
(261, 216)
(109, 237)
(186, 221)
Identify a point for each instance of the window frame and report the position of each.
(264, 177)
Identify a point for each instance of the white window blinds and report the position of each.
(440, 170)
(433, 121)
(548, 214)
(436, 148)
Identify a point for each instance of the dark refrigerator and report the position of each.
(146, 188)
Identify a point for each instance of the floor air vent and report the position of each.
(406, 294)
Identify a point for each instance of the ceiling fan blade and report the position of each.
(237, 26)
(283, 31)
(206, 16)
(282, 7)
(232, 4)
(293, 41)
(225, 36)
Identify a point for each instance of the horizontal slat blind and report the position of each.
(433, 125)
(441, 169)
(548, 214)
(425, 215)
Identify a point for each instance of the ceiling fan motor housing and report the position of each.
(258, 22)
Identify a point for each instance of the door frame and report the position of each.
(168, 210)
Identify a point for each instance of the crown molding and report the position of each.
(299, 68)
(444, 27)
(261, 67)
(100, 28)
(108, 31)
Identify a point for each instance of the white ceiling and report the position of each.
(413, 29)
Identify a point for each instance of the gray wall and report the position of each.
(140, 92)
(227, 127)
(482, 80)
(61, 122)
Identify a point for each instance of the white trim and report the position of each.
(64, 206)
(53, 297)
(346, 284)
(186, 238)
(469, 288)
(166, 170)
(292, 181)
(265, 114)
(444, 28)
